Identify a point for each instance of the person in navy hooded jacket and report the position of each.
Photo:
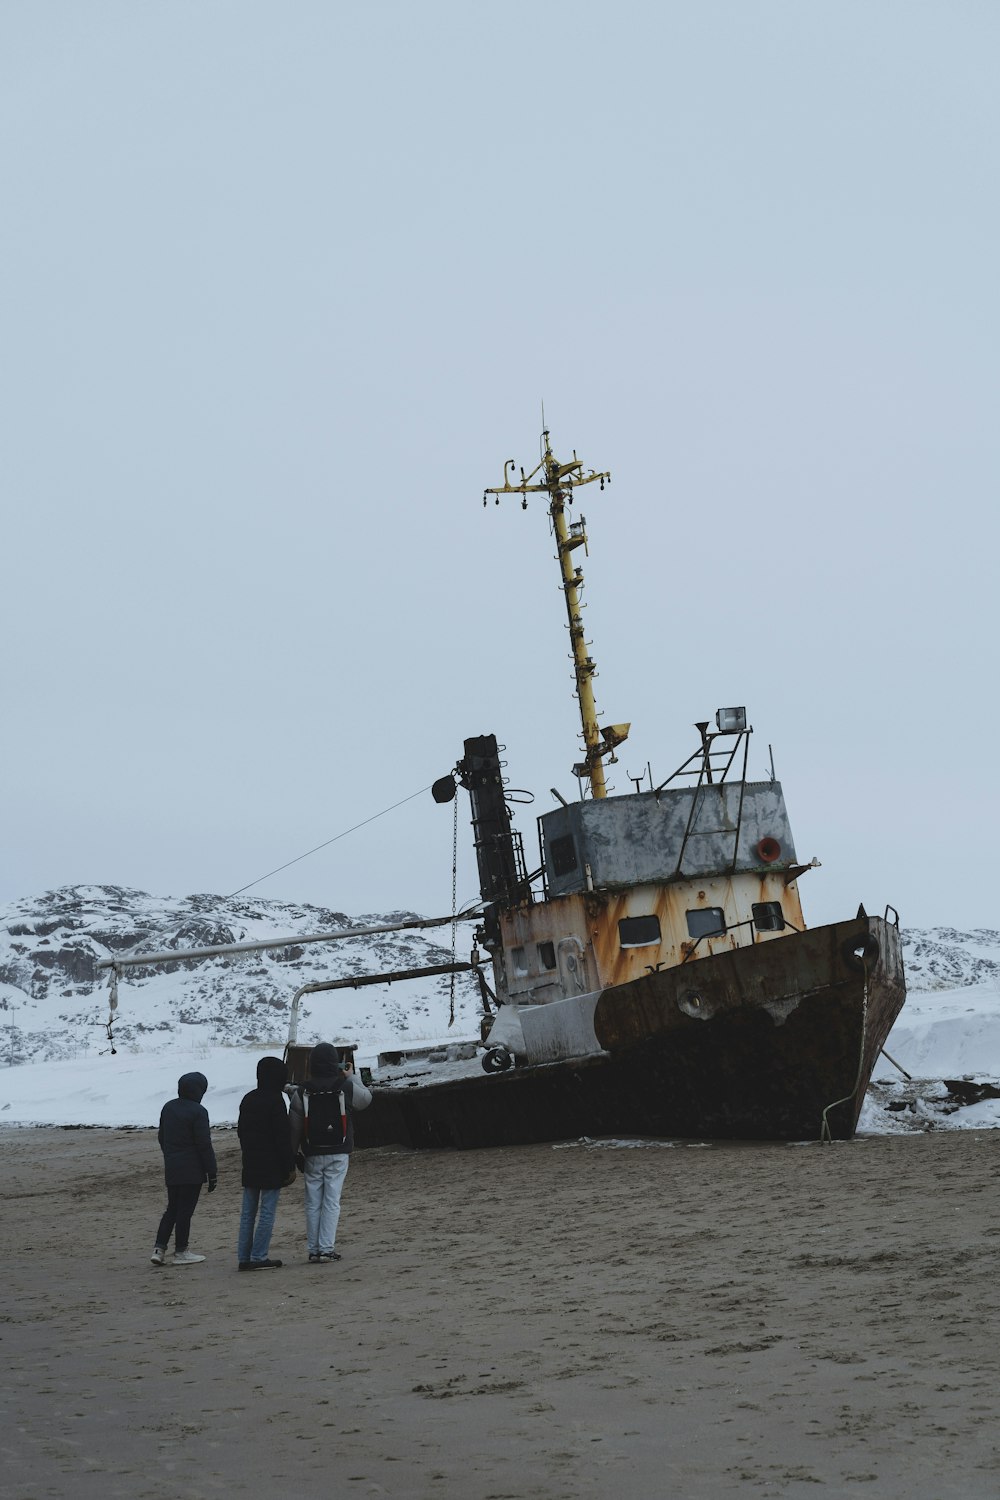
(188, 1161)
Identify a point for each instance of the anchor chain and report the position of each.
(826, 1135)
(454, 907)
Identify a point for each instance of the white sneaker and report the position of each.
(187, 1258)
(157, 1256)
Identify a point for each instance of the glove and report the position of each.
(300, 1161)
(213, 1183)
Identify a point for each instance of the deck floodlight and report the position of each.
(731, 720)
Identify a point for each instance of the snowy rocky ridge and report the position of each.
(942, 959)
(54, 1000)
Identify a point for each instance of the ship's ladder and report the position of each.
(713, 766)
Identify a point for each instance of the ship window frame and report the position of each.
(637, 925)
(774, 909)
(559, 848)
(519, 962)
(698, 929)
(547, 955)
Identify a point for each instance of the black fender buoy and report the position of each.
(862, 951)
(496, 1060)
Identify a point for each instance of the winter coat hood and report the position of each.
(192, 1086)
(271, 1074)
(324, 1061)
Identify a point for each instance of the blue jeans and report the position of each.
(255, 1243)
(324, 1179)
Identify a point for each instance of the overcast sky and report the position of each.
(284, 285)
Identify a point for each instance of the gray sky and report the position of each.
(285, 285)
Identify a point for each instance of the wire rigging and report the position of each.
(326, 843)
(454, 909)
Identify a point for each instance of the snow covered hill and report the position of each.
(54, 1001)
(942, 959)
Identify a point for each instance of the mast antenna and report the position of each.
(558, 481)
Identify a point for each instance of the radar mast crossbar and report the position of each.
(558, 481)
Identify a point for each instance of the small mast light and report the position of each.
(731, 720)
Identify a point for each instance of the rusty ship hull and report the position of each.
(767, 1042)
(652, 971)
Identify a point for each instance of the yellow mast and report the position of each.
(559, 481)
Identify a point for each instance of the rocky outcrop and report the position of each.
(54, 999)
(942, 958)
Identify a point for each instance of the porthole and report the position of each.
(706, 921)
(639, 932)
(547, 955)
(563, 852)
(695, 1004)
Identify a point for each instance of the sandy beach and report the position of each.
(552, 1322)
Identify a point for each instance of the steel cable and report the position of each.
(326, 844)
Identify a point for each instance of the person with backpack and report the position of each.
(323, 1133)
(188, 1161)
(268, 1163)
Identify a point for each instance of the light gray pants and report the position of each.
(324, 1181)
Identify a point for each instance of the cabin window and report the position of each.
(707, 921)
(547, 955)
(563, 851)
(768, 916)
(518, 959)
(639, 932)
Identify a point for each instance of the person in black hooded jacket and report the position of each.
(188, 1161)
(268, 1162)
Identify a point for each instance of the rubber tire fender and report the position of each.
(861, 951)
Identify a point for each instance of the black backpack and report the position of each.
(325, 1119)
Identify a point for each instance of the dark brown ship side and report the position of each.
(773, 1042)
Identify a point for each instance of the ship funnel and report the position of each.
(501, 873)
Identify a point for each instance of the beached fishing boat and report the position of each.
(652, 974)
